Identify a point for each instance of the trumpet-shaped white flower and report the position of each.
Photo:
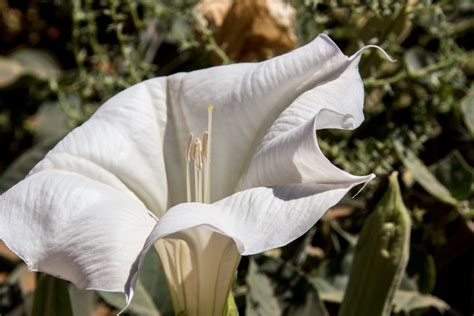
(112, 188)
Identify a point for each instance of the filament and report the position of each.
(187, 159)
(197, 157)
(199, 151)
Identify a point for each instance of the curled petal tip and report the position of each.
(363, 49)
(369, 178)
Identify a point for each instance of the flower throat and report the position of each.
(198, 151)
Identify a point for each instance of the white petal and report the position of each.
(136, 139)
(257, 219)
(300, 184)
(247, 99)
(295, 157)
(200, 267)
(122, 145)
(289, 152)
(77, 229)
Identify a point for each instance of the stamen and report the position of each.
(187, 159)
(208, 143)
(197, 157)
(199, 150)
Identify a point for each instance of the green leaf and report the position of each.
(423, 176)
(28, 61)
(455, 174)
(231, 307)
(407, 301)
(83, 302)
(142, 303)
(37, 62)
(51, 297)
(467, 108)
(10, 71)
(151, 292)
(51, 122)
(261, 298)
(153, 279)
(329, 292)
(276, 288)
(380, 258)
(416, 58)
(421, 267)
(20, 167)
(404, 301)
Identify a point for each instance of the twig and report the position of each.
(371, 82)
(212, 44)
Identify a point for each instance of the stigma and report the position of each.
(197, 157)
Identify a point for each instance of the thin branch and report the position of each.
(371, 82)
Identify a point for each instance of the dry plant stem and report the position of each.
(211, 43)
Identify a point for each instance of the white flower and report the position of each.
(90, 210)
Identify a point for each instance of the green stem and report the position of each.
(122, 41)
(369, 60)
(371, 82)
(132, 6)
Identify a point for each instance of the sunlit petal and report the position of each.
(121, 145)
(75, 228)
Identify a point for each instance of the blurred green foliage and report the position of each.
(61, 60)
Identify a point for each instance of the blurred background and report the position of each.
(60, 60)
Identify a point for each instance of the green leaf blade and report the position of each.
(51, 297)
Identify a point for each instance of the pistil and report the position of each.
(207, 175)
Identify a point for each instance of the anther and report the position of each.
(205, 143)
(187, 151)
(197, 153)
(199, 150)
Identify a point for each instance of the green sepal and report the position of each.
(380, 258)
(231, 307)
